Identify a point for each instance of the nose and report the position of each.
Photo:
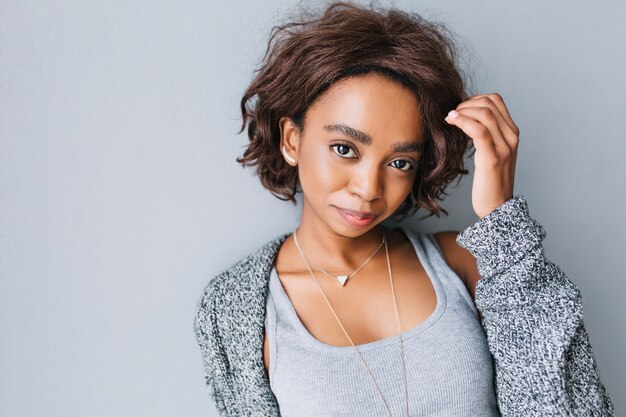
(367, 182)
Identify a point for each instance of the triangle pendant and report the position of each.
(342, 279)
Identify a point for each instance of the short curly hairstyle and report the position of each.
(306, 56)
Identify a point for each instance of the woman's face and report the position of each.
(359, 150)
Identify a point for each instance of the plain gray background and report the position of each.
(120, 196)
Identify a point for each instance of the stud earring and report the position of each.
(288, 157)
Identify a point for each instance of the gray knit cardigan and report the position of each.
(531, 313)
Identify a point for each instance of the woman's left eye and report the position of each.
(406, 164)
(344, 150)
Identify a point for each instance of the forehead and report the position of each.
(383, 108)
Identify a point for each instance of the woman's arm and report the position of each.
(207, 337)
(532, 315)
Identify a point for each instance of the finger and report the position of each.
(486, 117)
(484, 101)
(476, 131)
(499, 102)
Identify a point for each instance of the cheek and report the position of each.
(319, 172)
(397, 190)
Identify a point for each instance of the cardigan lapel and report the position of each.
(243, 339)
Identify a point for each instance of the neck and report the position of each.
(335, 250)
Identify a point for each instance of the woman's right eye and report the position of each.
(341, 149)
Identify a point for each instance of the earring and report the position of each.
(288, 157)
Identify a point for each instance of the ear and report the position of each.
(289, 136)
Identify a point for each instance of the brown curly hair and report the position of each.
(304, 57)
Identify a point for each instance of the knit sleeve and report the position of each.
(207, 336)
(533, 318)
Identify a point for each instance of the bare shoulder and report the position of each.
(458, 258)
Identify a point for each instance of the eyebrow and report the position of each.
(366, 139)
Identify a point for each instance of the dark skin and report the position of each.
(337, 170)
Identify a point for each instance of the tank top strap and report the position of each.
(433, 256)
(271, 329)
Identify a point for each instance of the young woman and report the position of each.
(364, 112)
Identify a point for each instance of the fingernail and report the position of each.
(453, 114)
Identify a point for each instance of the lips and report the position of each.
(359, 214)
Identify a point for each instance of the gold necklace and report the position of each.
(343, 278)
(406, 401)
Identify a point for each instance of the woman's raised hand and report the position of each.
(486, 120)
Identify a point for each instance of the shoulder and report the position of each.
(460, 260)
(216, 302)
(241, 280)
(254, 263)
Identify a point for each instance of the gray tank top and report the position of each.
(448, 363)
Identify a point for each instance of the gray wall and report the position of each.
(120, 197)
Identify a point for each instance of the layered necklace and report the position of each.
(342, 280)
